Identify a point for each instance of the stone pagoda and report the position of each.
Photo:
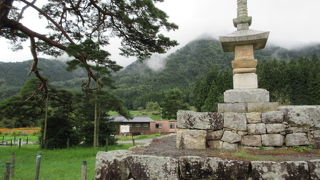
(245, 95)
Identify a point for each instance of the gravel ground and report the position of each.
(136, 141)
(166, 146)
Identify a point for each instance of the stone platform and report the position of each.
(161, 161)
(285, 126)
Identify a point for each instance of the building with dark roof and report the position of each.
(143, 125)
(138, 125)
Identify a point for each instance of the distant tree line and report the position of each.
(290, 82)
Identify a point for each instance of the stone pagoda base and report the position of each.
(247, 100)
(287, 126)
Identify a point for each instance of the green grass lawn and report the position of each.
(59, 164)
(139, 137)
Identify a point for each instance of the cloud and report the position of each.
(156, 63)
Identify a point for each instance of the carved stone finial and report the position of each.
(243, 21)
(242, 8)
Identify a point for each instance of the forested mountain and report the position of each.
(138, 84)
(13, 75)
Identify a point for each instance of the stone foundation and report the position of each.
(122, 165)
(286, 126)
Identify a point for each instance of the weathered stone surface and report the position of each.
(290, 130)
(299, 117)
(262, 106)
(215, 144)
(316, 134)
(229, 146)
(254, 117)
(251, 140)
(108, 164)
(236, 121)
(280, 170)
(199, 120)
(231, 137)
(275, 128)
(273, 117)
(194, 167)
(232, 107)
(214, 135)
(272, 139)
(314, 169)
(191, 139)
(310, 114)
(119, 165)
(297, 139)
(246, 95)
(259, 128)
(245, 81)
(146, 167)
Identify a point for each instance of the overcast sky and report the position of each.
(292, 23)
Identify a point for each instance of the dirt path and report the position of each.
(166, 146)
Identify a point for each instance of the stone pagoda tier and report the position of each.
(245, 95)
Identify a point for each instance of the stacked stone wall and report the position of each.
(288, 126)
(121, 165)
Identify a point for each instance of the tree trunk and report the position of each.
(45, 122)
(96, 124)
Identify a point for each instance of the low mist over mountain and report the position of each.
(139, 82)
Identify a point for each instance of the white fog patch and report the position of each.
(156, 62)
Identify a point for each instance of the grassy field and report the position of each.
(34, 139)
(59, 164)
(138, 137)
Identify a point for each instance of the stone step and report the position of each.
(248, 107)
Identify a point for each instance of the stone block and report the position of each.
(280, 170)
(272, 139)
(118, 165)
(299, 117)
(262, 106)
(215, 144)
(254, 117)
(194, 167)
(191, 139)
(235, 121)
(272, 117)
(309, 113)
(314, 169)
(146, 167)
(275, 128)
(214, 135)
(231, 137)
(251, 140)
(246, 95)
(245, 81)
(232, 107)
(259, 128)
(229, 146)
(290, 130)
(199, 120)
(297, 139)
